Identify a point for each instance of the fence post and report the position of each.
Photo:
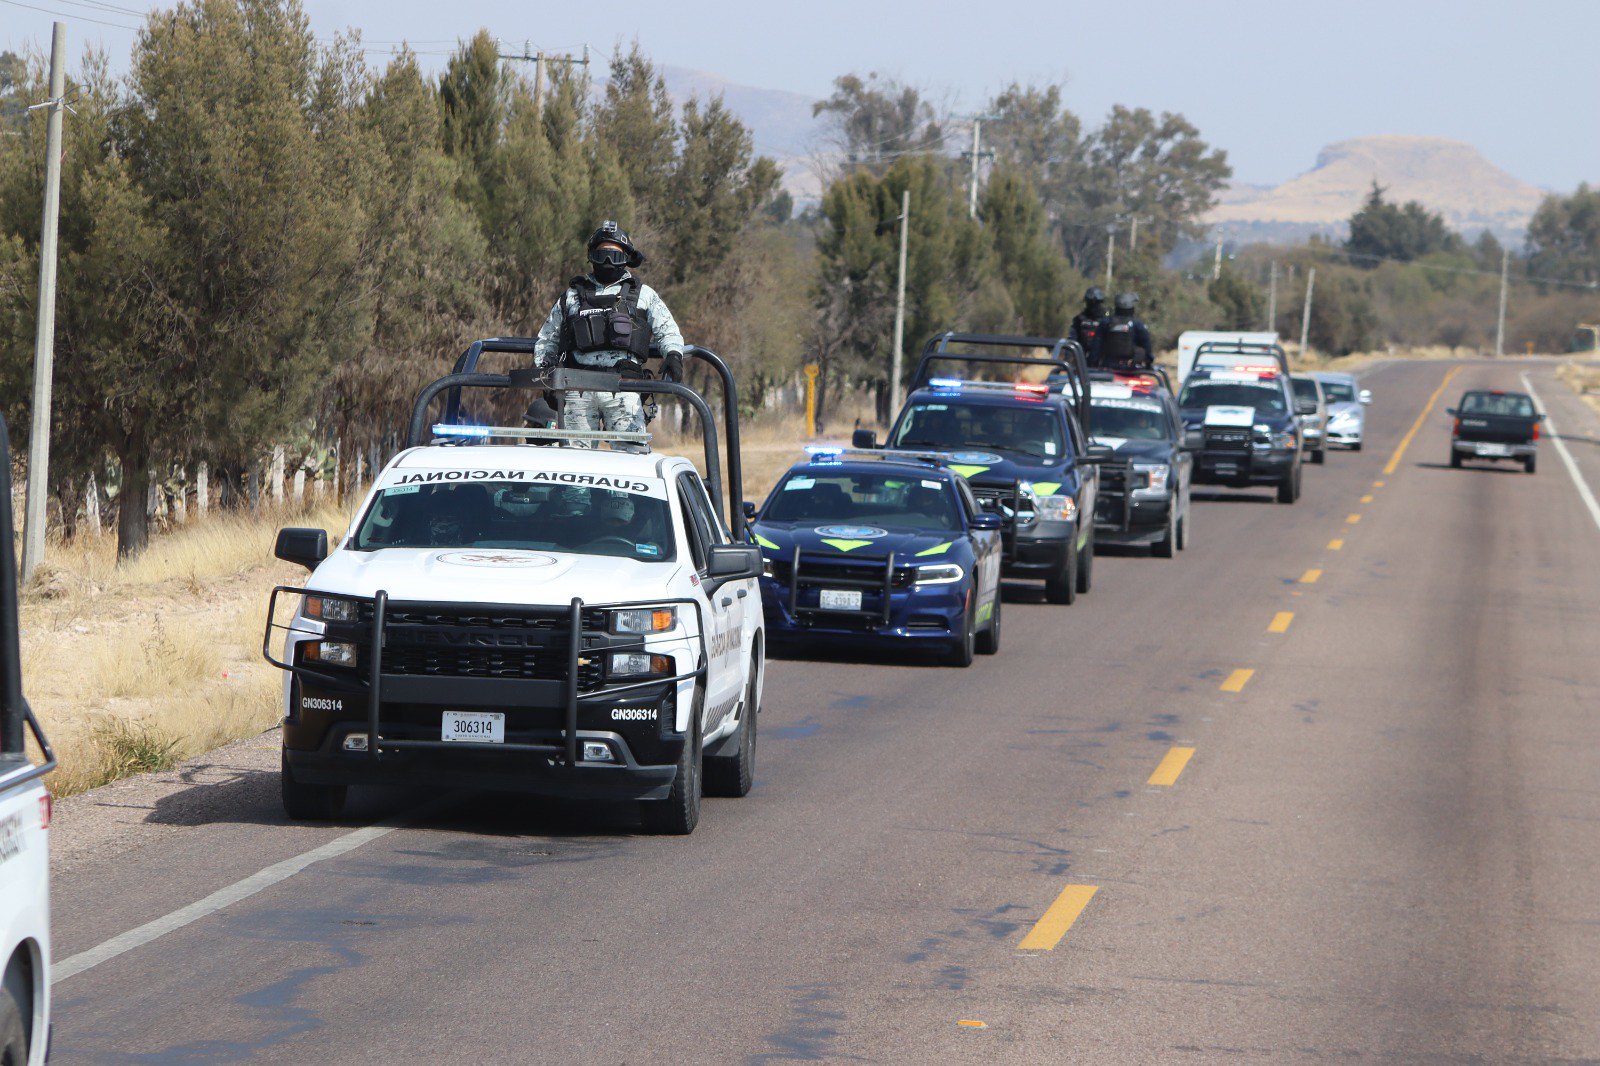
(202, 488)
(91, 505)
(300, 486)
(277, 475)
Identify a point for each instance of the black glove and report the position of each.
(672, 366)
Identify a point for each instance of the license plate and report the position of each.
(841, 599)
(482, 727)
(1493, 449)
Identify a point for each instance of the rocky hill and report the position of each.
(1447, 176)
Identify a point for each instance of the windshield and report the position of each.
(520, 514)
(1130, 419)
(1304, 388)
(1263, 397)
(1339, 392)
(1032, 431)
(1513, 404)
(874, 499)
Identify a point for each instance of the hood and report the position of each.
(992, 468)
(1139, 450)
(488, 575)
(1344, 407)
(779, 539)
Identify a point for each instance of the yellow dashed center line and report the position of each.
(1366, 499)
(1048, 930)
(1353, 519)
(1237, 680)
(1310, 577)
(1377, 484)
(1280, 622)
(1172, 765)
(1335, 544)
(969, 1023)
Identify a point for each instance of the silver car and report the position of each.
(1347, 416)
(1313, 414)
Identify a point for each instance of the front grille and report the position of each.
(523, 664)
(535, 619)
(1228, 440)
(813, 572)
(473, 640)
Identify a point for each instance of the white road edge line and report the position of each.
(225, 897)
(1566, 457)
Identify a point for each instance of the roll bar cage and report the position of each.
(1242, 348)
(1065, 354)
(465, 375)
(15, 714)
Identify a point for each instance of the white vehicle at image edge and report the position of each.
(24, 834)
(562, 621)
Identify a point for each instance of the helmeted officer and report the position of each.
(1086, 323)
(1124, 339)
(608, 319)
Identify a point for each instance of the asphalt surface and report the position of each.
(1385, 844)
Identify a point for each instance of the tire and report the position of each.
(1086, 564)
(732, 775)
(988, 642)
(679, 813)
(1063, 588)
(1531, 463)
(15, 1017)
(1167, 546)
(962, 651)
(1455, 459)
(1356, 447)
(309, 803)
(1289, 487)
(1183, 531)
(1318, 456)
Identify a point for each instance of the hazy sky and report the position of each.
(1267, 80)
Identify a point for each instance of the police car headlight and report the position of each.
(333, 653)
(639, 664)
(940, 574)
(331, 609)
(644, 620)
(1057, 508)
(1156, 477)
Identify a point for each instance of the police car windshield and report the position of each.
(522, 515)
(1338, 392)
(1263, 396)
(1033, 430)
(1130, 419)
(868, 499)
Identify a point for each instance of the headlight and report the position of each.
(1157, 475)
(940, 574)
(644, 620)
(332, 653)
(639, 664)
(1057, 508)
(332, 609)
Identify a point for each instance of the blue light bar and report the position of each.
(442, 430)
(946, 383)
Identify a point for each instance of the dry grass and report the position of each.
(1583, 378)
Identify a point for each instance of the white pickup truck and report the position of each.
(534, 616)
(24, 833)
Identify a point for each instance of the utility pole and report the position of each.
(972, 186)
(1111, 251)
(1500, 324)
(1272, 296)
(538, 82)
(1305, 316)
(541, 62)
(1216, 264)
(45, 335)
(900, 302)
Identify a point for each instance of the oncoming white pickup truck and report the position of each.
(554, 619)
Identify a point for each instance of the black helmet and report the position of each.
(1095, 295)
(540, 415)
(609, 233)
(1126, 301)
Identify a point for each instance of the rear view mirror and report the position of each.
(863, 438)
(1099, 453)
(1366, 396)
(733, 562)
(1194, 440)
(987, 520)
(308, 547)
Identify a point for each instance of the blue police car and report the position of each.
(868, 549)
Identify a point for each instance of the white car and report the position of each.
(24, 834)
(558, 620)
(1347, 416)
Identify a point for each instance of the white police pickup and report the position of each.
(554, 619)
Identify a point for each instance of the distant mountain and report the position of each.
(1449, 177)
(780, 122)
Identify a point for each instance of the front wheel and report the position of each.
(1318, 456)
(989, 640)
(1289, 487)
(1063, 588)
(732, 775)
(679, 813)
(1086, 563)
(1183, 530)
(1167, 546)
(962, 651)
(306, 802)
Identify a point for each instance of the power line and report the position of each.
(75, 18)
(1440, 268)
(98, 5)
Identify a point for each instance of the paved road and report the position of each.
(1385, 845)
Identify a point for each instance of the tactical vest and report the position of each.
(605, 323)
(1086, 330)
(1116, 341)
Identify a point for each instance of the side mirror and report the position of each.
(1194, 440)
(1099, 453)
(732, 562)
(750, 510)
(1451, 411)
(1366, 396)
(1540, 417)
(308, 547)
(863, 438)
(1305, 407)
(987, 521)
